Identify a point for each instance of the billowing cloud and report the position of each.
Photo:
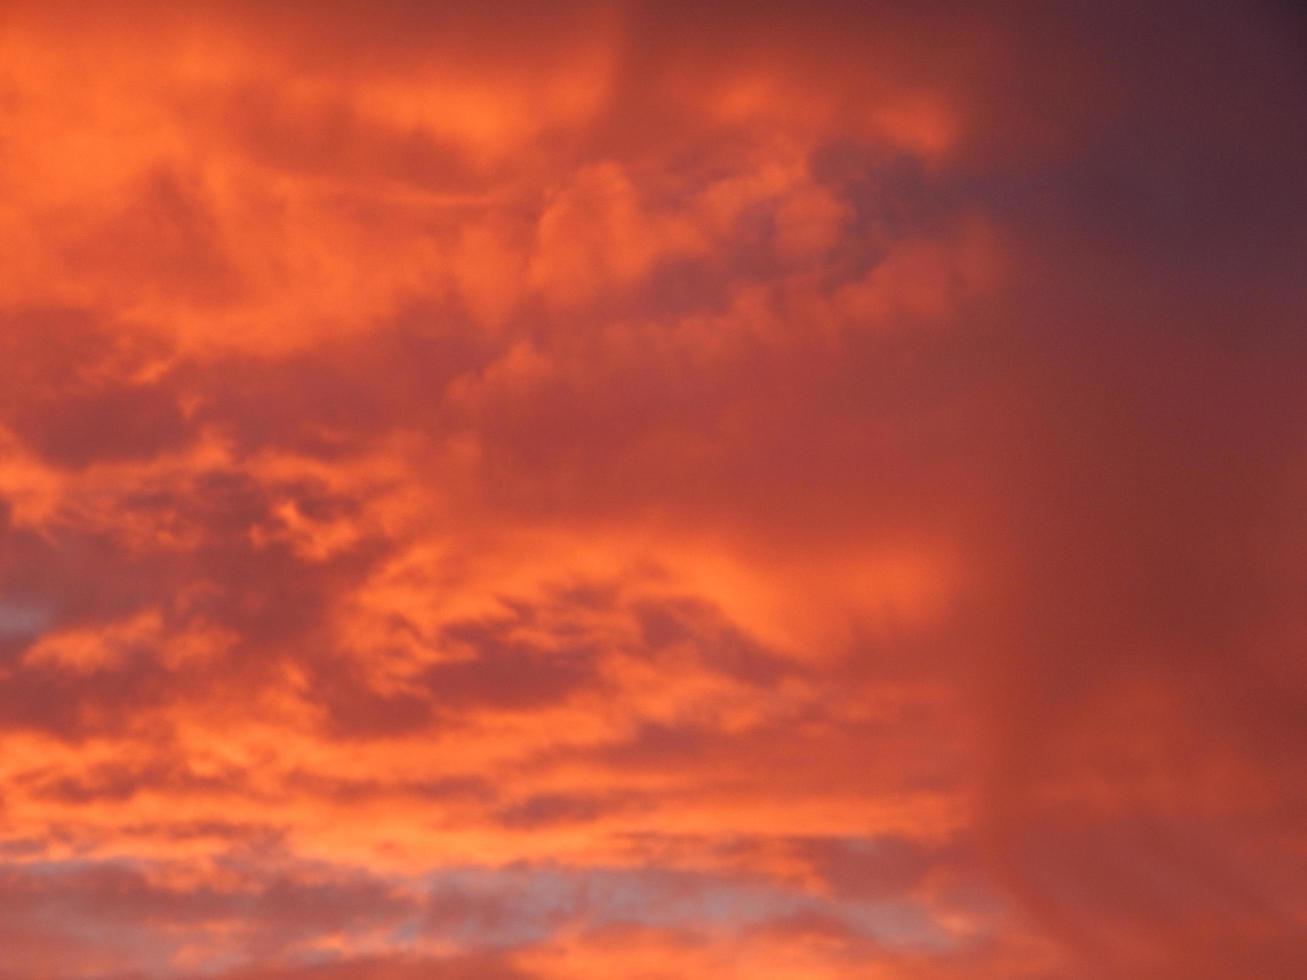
(652, 490)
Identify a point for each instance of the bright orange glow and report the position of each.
(652, 490)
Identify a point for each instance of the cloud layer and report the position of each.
(652, 490)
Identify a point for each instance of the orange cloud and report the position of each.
(645, 490)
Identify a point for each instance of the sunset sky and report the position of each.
(653, 490)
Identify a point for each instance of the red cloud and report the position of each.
(651, 490)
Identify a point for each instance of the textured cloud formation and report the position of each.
(652, 490)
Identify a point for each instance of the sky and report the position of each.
(763, 491)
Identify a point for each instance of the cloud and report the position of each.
(651, 490)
